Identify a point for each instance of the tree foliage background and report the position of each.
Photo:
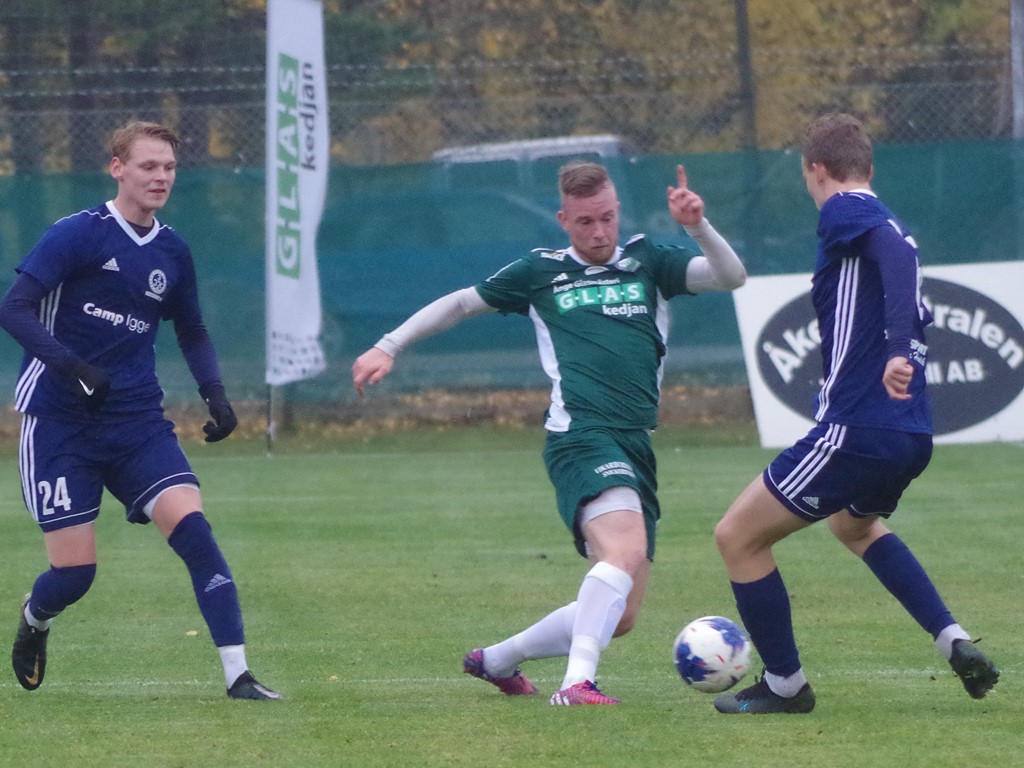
(408, 77)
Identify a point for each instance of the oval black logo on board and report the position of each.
(975, 355)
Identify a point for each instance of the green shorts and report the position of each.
(583, 463)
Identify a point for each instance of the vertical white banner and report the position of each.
(298, 147)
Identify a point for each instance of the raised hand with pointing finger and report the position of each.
(685, 205)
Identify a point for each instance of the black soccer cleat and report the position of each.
(759, 699)
(28, 656)
(248, 687)
(975, 670)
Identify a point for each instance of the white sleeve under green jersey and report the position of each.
(601, 330)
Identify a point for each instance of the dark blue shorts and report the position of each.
(65, 467)
(836, 467)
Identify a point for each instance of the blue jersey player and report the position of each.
(872, 438)
(85, 306)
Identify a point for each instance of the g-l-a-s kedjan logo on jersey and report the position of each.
(607, 294)
(975, 362)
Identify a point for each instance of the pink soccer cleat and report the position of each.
(581, 693)
(516, 685)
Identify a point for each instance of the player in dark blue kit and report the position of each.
(85, 306)
(873, 435)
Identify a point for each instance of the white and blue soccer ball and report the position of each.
(712, 654)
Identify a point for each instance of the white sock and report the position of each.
(599, 606)
(583, 658)
(551, 636)
(233, 659)
(786, 687)
(34, 622)
(944, 642)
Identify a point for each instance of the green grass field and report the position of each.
(368, 567)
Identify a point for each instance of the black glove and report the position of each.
(90, 384)
(224, 419)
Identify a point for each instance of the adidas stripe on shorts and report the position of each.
(837, 467)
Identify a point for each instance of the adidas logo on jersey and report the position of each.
(560, 278)
(811, 501)
(112, 265)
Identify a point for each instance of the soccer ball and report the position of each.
(712, 654)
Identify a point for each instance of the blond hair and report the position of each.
(122, 139)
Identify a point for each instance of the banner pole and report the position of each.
(271, 426)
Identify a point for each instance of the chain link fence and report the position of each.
(56, 110)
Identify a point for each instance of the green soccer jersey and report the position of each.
(601, 330)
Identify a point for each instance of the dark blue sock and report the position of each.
(192, 539)
(764, 609)
(899, 571)
(58, 588)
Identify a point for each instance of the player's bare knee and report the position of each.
(856, 533)
(737, 545)
(726, 538)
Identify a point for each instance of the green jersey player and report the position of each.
(600, 315)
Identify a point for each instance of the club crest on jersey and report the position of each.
(157, 284)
